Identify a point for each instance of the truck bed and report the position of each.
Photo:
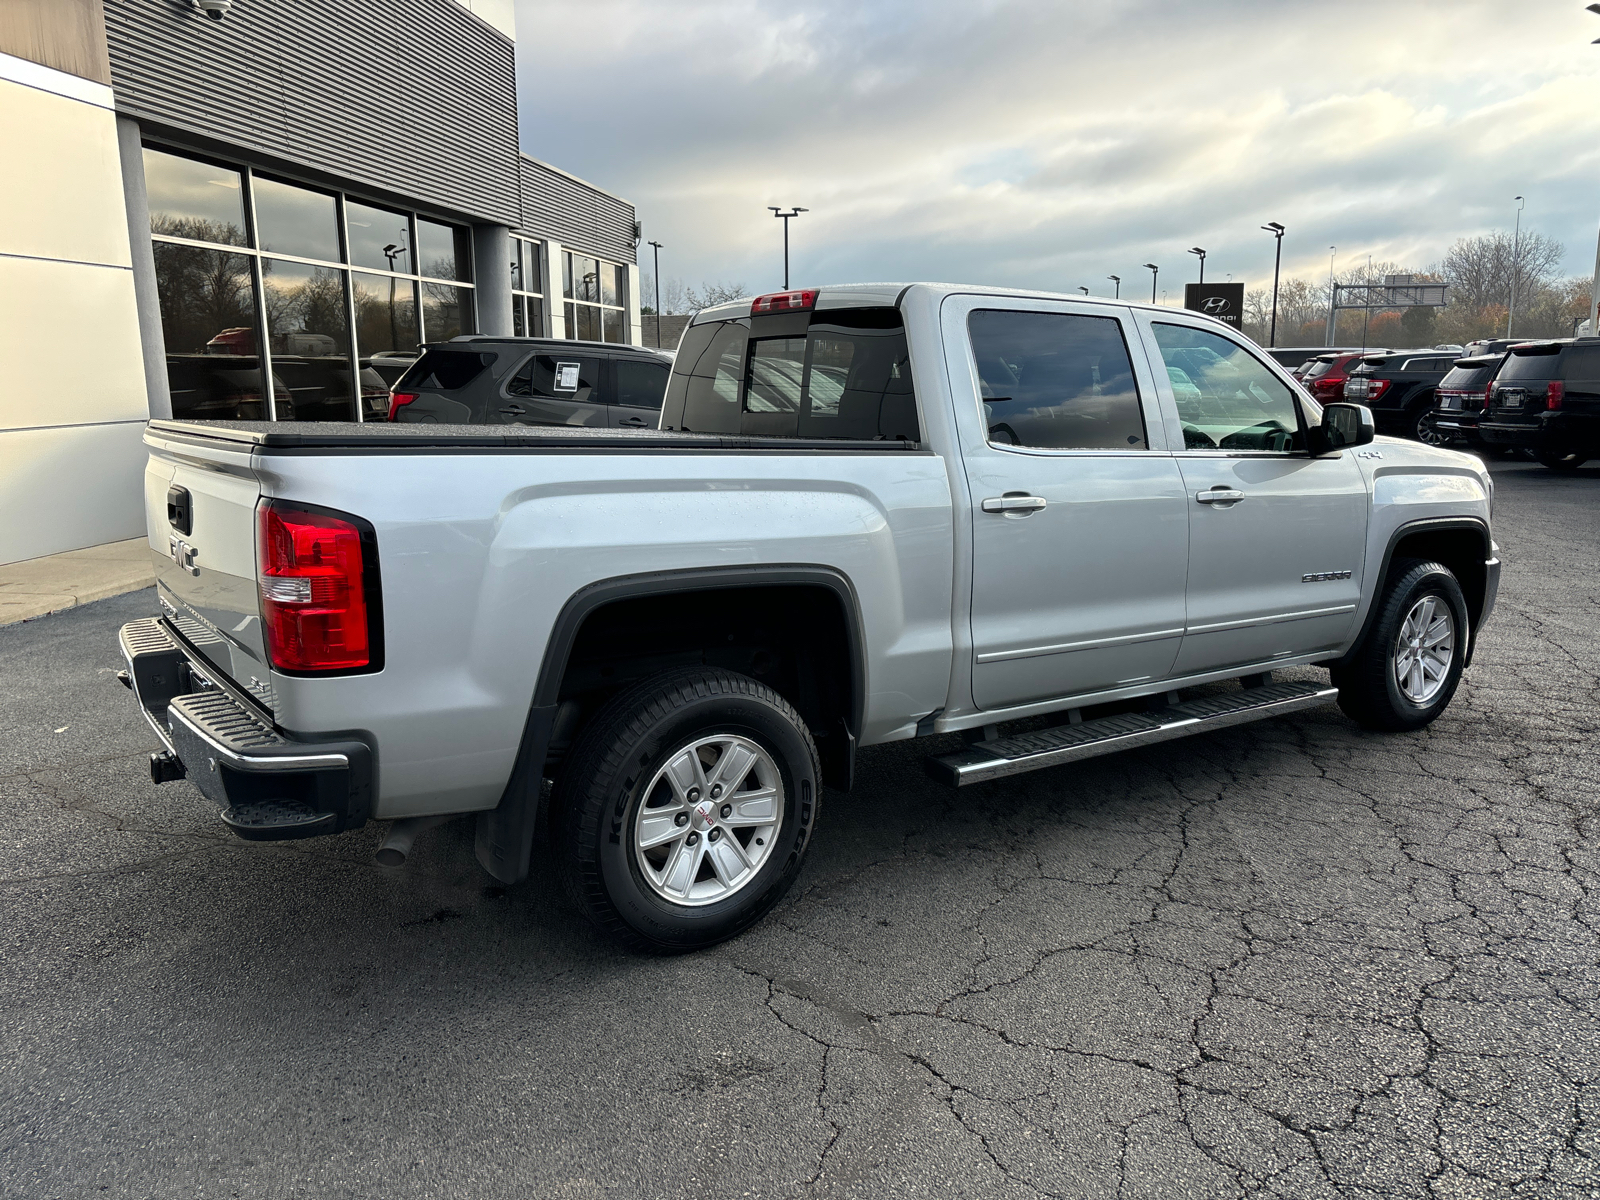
(386, 437)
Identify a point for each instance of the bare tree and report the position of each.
(713, 293)
(1480, 270)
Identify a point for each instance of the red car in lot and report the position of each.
(1326, 377)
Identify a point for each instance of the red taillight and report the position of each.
(398, 400)
(1377, 387)
(313, 589)
(783, 301)
(1554, 393)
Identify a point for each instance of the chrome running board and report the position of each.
(983, 761)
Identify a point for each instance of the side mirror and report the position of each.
(1343, 426)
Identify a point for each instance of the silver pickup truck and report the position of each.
(870, 513)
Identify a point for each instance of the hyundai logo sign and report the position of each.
(1224, 301)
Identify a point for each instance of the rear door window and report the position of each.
(640, 384)
(1059, 381)
(574, 377)
(440, 370)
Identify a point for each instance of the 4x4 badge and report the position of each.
(1369, 453)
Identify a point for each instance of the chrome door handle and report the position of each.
(1013, 503)
(1219, 495)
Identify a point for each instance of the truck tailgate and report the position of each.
(200, 506)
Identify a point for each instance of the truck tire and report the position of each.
(1556, 461)
(1406, 671)
(685, 809)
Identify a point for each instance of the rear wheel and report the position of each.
(1425, 431)
(1407, 670)
(686, 809)
(1561, 462)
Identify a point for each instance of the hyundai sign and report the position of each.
(1224, 301)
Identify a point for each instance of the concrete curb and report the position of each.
(40, 586)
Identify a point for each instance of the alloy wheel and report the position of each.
(1424, 649)
(709, 819)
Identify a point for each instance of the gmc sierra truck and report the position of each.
(869, 514)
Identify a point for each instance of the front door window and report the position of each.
(1227, 399)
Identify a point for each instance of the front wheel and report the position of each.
(685, 809)
(1405, 673)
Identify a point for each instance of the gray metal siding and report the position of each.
(576, 215)
(416, 98)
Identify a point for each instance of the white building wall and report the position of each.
(72, 389)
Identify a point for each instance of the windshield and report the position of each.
(1534, 366)
(1465, 378)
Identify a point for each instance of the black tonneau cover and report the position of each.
(386, 437)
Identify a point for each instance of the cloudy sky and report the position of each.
(1038, 144)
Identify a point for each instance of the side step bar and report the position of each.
(983, 761)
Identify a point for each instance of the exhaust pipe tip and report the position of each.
(396, 847)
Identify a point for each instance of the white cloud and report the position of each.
(1050, 144)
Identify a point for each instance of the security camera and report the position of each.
(215, 9)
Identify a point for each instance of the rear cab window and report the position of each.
(842, 373)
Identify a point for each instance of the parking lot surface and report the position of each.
(1291, 959)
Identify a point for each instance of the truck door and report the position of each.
(1276, 538)
(1079, 526)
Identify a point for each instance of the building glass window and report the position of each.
(596, 298)
(237, 252)
(527, 288)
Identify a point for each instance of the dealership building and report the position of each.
(261, 217)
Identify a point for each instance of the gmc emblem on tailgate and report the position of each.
(180, 552)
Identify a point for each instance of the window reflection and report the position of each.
(194, 200)
(386, 314)
(292, 220)
(378, 238)
(309, 332)
(445, 311)
(442, 250)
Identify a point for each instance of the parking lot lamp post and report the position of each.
(1154, 271)
(784, 217)
(657, 252)
(1276, 231)
(1516, 253)
(1332, 252)
(1116, 279)
(392, 251)
(1202, 254)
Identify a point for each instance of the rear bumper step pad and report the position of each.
(1069, 743)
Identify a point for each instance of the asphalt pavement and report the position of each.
(1291, 959)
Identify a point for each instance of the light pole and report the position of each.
(1202, 254)
(1083, 289)
(1116, 279)
(1276, 231)
(657, 251)
(1516, 254)
(1154, 271)
(392, 251)
(1332, 296)
(784, 217)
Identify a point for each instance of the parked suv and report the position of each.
(1325, 378)
(477, 380)
(1546, 399)
(1398, 388)
(1460, 399)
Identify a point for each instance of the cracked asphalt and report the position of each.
(1286, 960)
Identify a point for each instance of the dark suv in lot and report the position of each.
(1546, 399)
(1460, 399)
(1398, 388)
(478, 380)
